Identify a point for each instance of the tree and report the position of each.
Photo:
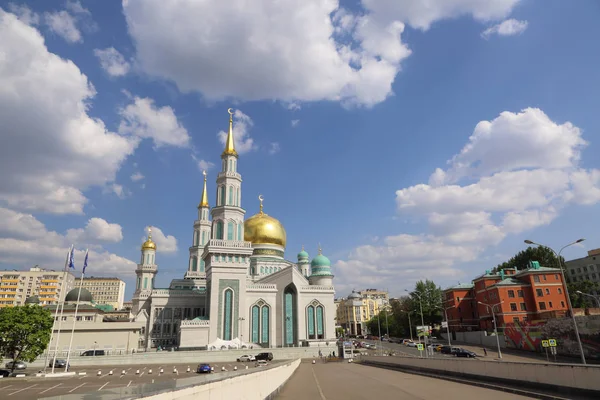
(24, 332)
(427, 296)
(580, 300)
(544, 255)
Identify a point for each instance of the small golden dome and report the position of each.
(263, 229)
(149, 244)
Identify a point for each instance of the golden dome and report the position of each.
(149, 244)
(263, 229)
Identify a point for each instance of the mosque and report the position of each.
(238, 288)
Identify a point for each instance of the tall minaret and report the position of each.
(304, 263)
(228, 215)
(145, 272)
(196, 267)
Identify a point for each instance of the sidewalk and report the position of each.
(514, 354)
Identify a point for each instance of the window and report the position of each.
(542, 305)
(562, 304)
(515, 319)
(520, 292)
(523, 307)
(513, 306)
(536, 278)
(545, 277)
(230, 231)
(219, 230)
(550, 304)
(230, 199)
(547, 291)
(222, 199)
(227, 314)
(559, 291)
(556, 276)
(511, 293)
(539, 292)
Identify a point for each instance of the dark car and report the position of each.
(93, 353)
(449, 350)
(203, 369)
(265, 356)
(59, 363)
(465, 353)
(4, 373)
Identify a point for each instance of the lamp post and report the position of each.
(566, 290)
(409, 324)
(422, 320)
(447, 323)
(491, 306)
(379, 327)
(242, 319)
(597, 298)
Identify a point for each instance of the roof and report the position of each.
(510, 282)
(461, 286)
(538, 269)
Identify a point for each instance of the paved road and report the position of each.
(32, 387)
(344, 381)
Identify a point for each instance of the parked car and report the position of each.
(59, 363)
(410, 344)
(4, 373)
(204, 369)
(261, 363)
(18, 365)
(93, 353)
(264, 356)
(449, 350)
(465, 353)
(246, 358)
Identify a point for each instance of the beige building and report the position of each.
(358, 308)
(47, 285)
(109, 291)
(585, 268)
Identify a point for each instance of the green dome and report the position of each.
(320, 261)
(85, 296)
(32, 300)
(303, 254)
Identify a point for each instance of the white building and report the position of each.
(237, 284)
(109, 291)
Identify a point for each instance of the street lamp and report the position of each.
(447, 323)
(409, 324)
(422, 320)
(597, 298)
(566, 290)
(242, 319)
(491, 306)
(379, 327)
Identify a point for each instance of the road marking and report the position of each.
(142, 374)
(75, 388)
(6, 387)
(129, 383)
(20, 390)
(102, 387)
(318, 386)
(44, 391)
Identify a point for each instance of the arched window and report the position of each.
(227, 314)
(265, 325)
(262, 270)
(139, 282)
(310, 317)
(145, 282)
(230, 230)
(202, 266)
(203, 238)
(237, 195)
(239, 235)
(255, 323)
(196, 238)
(239, 198)
(233, 162)
(147, 258)
(222, 202)
(230, 198)
(229, 166)
(194, 264)
(320, 327)
(219, 230)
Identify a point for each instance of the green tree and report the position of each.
(544, 255)
(580, 300)
(428, 297)
(24, 332)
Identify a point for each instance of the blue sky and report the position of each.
(344, 112)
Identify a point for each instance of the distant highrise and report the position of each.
(47, 285)
(109, 291)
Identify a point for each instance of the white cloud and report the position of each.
(143, 119)
(241, 133)
(295, 123)
(53, 149)
(508, 27)
(205, 165)
(164, 243)
(76, 8)
(24, 14)
(516, 173)
(96, 230)
(63, 24)
(112, 61)
(25, 241)
(119, 190)
(137, 176)
(337, 55)
(293, 106)
(274, 148)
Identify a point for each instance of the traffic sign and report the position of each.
(552, 342)
(420, 347)
(545, 343)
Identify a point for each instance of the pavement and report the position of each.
(32, 387)
(351, 381)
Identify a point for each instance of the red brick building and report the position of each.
(536, 293)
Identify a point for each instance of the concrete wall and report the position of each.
(478, 338)
(258, 385)
(571, 376)
(192, 357)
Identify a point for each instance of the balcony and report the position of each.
(229, 175)
(230, 243)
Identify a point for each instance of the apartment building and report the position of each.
(585, 268)
(108, 291)
(47, 285)
(358, 308)
(536, 293)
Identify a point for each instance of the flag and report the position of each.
(85, 262)
(72, 258)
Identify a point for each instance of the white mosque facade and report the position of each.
(238, 287)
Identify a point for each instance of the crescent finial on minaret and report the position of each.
(261, 198)
(229, 143)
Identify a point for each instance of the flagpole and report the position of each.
(54, 319)
(62, 308)
(76, 309)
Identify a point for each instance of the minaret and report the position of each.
(320, 270)
(145, 272)
(228, 215)
(202, 226)
(304, 263)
